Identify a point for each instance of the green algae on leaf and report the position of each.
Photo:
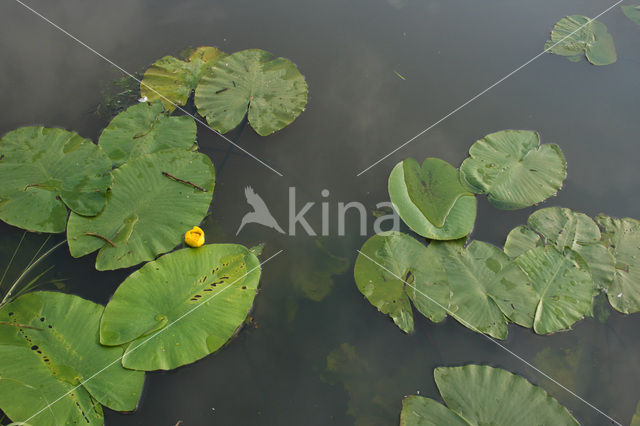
(622, 239)
(181, 307)
(270, 89)
(171, 80)
(514, 169)
(431, 200)
(483, 395)
(632, 12)
(154, 200)
(487, 288)
(576, 35)
(390, 260)
(49, 345)
(143, 129)
(43, 170)
(563, 285)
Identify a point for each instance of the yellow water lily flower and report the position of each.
(194, 237)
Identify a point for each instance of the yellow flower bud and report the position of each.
(194, 237)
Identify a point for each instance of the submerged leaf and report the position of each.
(622, 238)
(577, 35)
(143, 129)
(450, 203)
(514, 169)
(393, 267)
(52, 348)
(154, 200)
(182, 307)
(171, 80)
(42, 170)
(563, 285)
(271, 89)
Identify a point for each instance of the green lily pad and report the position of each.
(576, 35)
(563, 285)
(182, 307)
(632, 11)
(390, 260)
(635, 421)
(52, 348)
(143, 129)
(622, 239)
(43, 170)
(271, 89)
(434, 188)
(487, 288)
(565, 228)
(460, 217)
(514, 169)
(521, 239)
(148, 209)
(483, 395)
(174, 78)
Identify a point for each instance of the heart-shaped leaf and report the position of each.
(154, 200)
(49, 345)
(521, 239)
(563, 285)
(514, 169)
(483, 395)
(622, 238)
(271, 89)
(487, 289)
(171, 80)
(393, 268)
(459, 217)
(143, 129)
(43, 170)
(578, 35)
(632, 12)
(181, 307)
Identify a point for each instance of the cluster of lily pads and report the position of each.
(546, 276)
(131, 197)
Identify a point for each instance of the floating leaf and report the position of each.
(483, 395)
(434, 188)
(514, 169)
(52, 348)
(388, 260)
(143, 129)
(458, 209)
(182, 307)
(622, 238)
(565, 228)
(174, 78)
(563, 284)
(42, 170)
(486, 288)
(632, 12)
(576, 35)
(521, 239)
(271, 89)
(635, 421)
(154, 200)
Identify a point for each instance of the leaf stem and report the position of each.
(186, 182)
(102, 237)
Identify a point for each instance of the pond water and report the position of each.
(316, 352)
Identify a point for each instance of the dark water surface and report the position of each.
(318, 353)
